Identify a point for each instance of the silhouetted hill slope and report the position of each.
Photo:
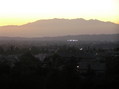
(99, 37)
(60, 27)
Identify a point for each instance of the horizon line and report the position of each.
(59, 19)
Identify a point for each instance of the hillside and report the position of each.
(99, 37)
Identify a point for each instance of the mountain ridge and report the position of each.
(59, 27)
(99, 37)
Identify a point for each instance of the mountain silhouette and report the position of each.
(59, 27)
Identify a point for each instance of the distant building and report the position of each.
(72, 40)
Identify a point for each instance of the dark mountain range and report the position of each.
(101, 37)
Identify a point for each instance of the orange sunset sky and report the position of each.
(18, 12)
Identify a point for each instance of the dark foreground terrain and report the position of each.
(59, 65)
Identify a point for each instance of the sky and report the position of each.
(18, 12)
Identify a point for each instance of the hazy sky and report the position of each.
(17, 12)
